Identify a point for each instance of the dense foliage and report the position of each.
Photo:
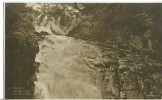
(137, 25)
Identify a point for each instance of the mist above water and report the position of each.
(63, 73)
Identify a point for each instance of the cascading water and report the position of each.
(63, 72)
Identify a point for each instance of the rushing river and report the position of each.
(64, 70)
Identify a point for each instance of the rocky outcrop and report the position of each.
(20, 65)
(131, 75)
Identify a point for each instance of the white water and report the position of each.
(66, 65)
(63, 72)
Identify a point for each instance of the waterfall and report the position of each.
(63, 73)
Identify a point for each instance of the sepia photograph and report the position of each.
(82, 50)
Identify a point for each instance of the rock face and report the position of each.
(20, 66)
(136, 76)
